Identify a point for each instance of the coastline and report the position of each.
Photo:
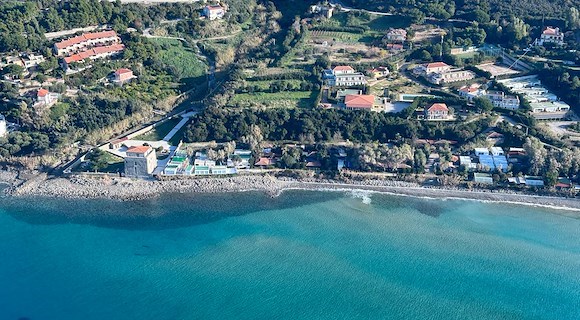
(126, 189)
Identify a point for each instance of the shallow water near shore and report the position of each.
(302, 255)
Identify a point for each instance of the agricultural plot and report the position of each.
(336, 36)
(287, 99)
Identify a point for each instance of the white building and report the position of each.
(501, 100)
(551, 35)
(471, 92)
(450, 76)
(214, 12)
(3, 129)
(45, 98)
(344, 76)
(31, 60)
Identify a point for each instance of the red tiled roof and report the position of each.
(93, 52)
(264, 162)
(42, 92)
(214, 8)
(551, 31)
(359, 101)
(438, 107)
(123, 70)
(437, 65)
(84, 37)
(343, 68)
(139, 149)
(380, 69)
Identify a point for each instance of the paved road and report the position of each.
(58, 34)
(175, 129)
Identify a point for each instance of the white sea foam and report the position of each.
(364, 195)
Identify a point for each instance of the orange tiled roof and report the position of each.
(214, 8)
(123, 70)
(84, 37)
(139, 149)
(438, 107)
(551, 31)
(437, 65)
(93, 52)
(359, 100)
(42, 92)
(264, 162)
(343, 68)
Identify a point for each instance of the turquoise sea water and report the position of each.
(303, 255)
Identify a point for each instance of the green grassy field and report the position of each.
(265, 85)
(183, 59)
(302, 99)
(160, 131)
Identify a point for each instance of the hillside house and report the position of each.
(344, 76)
(359, 102)
(395, 35)
(437, 111)
(471, 92)
(214, 12)
(434, 67)
(45, 98)
(122, 76)
(322, 10)
(551, 35)
(379, 72)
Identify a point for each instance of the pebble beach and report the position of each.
(135, 189)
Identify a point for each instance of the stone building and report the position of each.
(140, 161)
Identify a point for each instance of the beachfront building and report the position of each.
(214, 12)
(491, 159)
(483, 178)
(140, 161)
(359, 102)
(551, 35)
(178, 164)
(85, 41)
(240, 159)
(437, 111)
(344, 76)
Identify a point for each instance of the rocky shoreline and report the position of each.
(83, 187)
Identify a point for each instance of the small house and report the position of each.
(437, 111)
